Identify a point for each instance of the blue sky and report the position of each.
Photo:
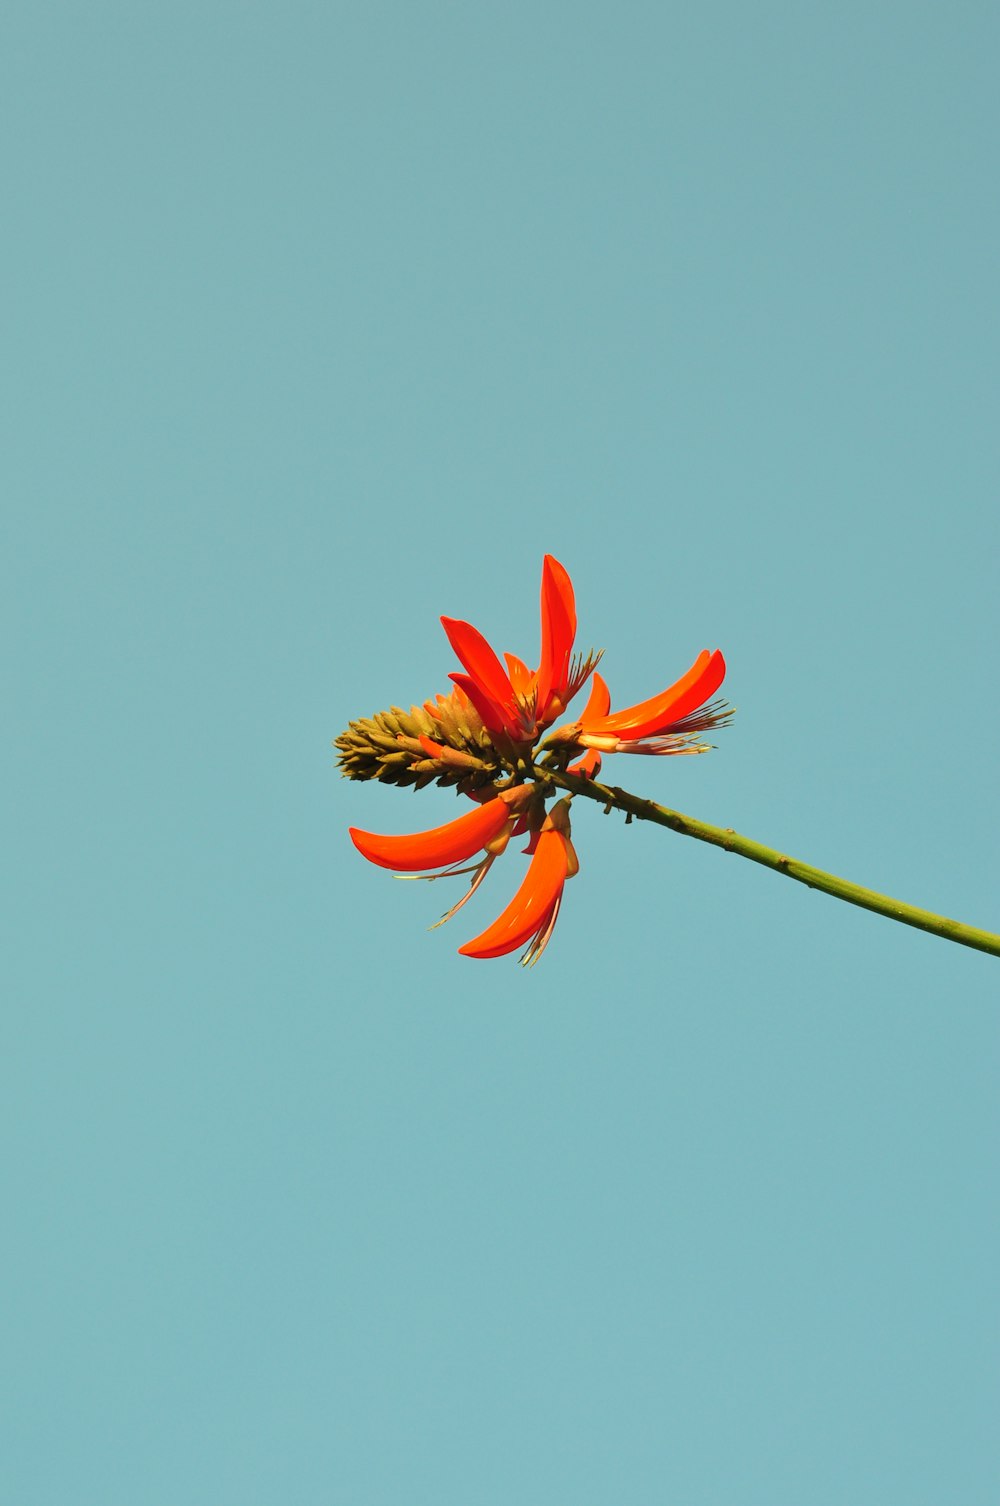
(320, 322)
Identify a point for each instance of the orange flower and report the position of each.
(667, 723)
(487, 829)
(515, 702)
(598, 704)
(485, 740)
(532, 913)
(438, 848)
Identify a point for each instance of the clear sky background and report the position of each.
(321, 320)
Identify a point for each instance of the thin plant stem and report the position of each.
(613, 798)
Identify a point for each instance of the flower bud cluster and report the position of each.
(441, 742)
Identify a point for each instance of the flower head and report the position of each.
(491, 738)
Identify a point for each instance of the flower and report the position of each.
(515, 703)
(488, 829)
(667, 723)
(444, 845)
(532, 913)
(598, 704)
(490, 737)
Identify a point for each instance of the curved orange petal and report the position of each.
(598, 704)
(558, 629)
(599, 700)
(701, 681)
(587, 767)
(521, 678)
(451, 843)
(478, 659)
(492, 716)
(531, 906)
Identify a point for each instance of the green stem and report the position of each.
(730, 841)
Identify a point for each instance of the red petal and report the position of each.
(520, 675)
(690, 691)
(599, 700)
(558, 630)
(531, 906)
(492, 716)
(588, 767)
(598, 704)
(476, 656)
(451, 843)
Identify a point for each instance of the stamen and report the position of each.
(428, 878)
(481, 870)
(541, 938)
(716, 714)
(661, 746)
(581, 668)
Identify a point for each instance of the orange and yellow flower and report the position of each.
(532, 913)
(516, 703)
(492, 733)
(667, 723)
